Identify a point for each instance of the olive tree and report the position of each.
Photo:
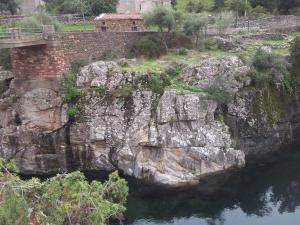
(295, 57)
(165, 20)
(223, 21)
(195, 25)
(11, 6)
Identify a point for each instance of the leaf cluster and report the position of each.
(63, 199)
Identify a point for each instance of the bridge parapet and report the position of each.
(22, 37)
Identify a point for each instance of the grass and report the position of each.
(181, 86)
(79, 27)
(295, 34)
(281, 51)
(161, 64)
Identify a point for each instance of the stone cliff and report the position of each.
(169, 137)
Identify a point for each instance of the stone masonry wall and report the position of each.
(120, 25)
(38, 61)
(78, 45)
(50, 61)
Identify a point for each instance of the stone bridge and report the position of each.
(47, 54)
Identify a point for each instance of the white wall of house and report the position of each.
(30, 6)
(140, 6)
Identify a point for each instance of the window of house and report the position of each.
(134, 28)
(103, 28)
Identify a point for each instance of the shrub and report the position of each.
(174, 71)
(126, 91)
(72, 94)
(259, 11)
(210, 44)
(148, 46)
(38, 20)
(67, 87)
(295, 57)
(110, 54)
(219, 92)
(78, 63)
(72, 112)
(156, 82)
(5, 62)
(182, 51)
(270, 69)
(63, 199)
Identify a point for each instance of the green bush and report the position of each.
(156, 82)
(270, 69)
(65, 197)
(78, 63)
(67, 85)
(148, 46)
(174, 71)
(72, 94)
(110, 54)
(219, 92)
(72, 112)
(182, 51)
(38, 20)
(5, 62)
(210, 44)
(126, 91)
(295, 57)
(259, 11)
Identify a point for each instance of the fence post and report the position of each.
(48, 31)
(15, 33)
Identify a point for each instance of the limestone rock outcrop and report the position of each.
(172, 138)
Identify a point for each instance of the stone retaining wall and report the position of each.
(51, 61)
(76, 45)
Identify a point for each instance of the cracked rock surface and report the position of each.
(171, 138)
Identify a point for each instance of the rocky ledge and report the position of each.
(172, 138)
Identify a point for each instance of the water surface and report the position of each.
(264, 195)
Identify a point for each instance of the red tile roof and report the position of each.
(119, 16)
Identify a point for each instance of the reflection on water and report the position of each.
(268, 195)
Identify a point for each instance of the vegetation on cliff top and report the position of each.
(63, 199)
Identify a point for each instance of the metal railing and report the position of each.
(21, 34)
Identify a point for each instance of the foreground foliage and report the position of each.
(63, 199)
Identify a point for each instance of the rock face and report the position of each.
(172, 138)
(229, 45)
(231, 71)
(169, 139)
(252, 130)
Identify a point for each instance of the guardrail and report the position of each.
(20, 33)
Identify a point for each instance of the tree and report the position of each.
(165, 19)
(11, 6)
(38, 20)
(195, 25)
(102, 6)
(295, 57)
(62, 200)
(86, 7)
(223, 21)
(240, 7)
(286, 6)
(198, 6)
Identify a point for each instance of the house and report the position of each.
(28, 7)
(120, 22)
(140, 6)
